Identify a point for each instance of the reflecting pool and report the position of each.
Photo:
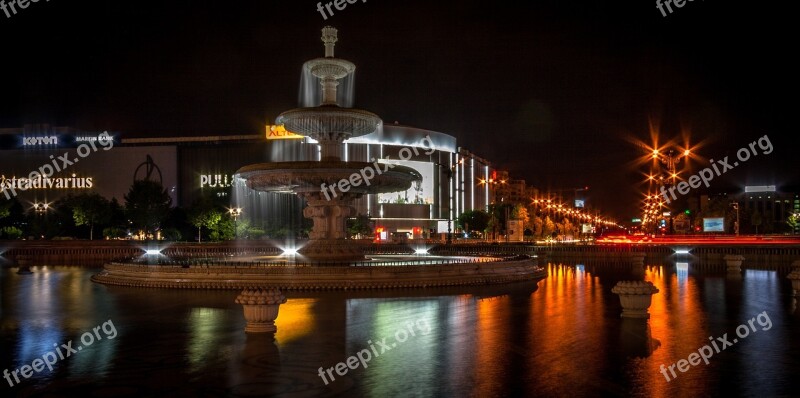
(561, 336)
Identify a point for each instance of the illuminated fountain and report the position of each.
(331, 255)
(330, 125)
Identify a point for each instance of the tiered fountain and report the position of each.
(329, 256)
(330, 125)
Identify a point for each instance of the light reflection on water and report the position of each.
(562, 336)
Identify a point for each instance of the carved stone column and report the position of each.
(635, 297)
(260, 309)
(733, 262)
(328, 238)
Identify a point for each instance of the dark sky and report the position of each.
(554, 91)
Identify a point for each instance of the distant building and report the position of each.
(774, 207)
(510, 191)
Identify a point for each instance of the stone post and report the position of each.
(635, 297)
(794, 276)
(23, 262)
(260, 309)
(733, 262)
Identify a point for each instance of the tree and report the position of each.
(474, 220)
(205, 217)
(5, 208)
(497, 213)
(756, 219)
(10, 233)
(205, 212)
(549, 226)
(538, 226)
(91, 209)
(793, 222)
(225, 229)
(146, 204)
(242, 228)
(520, 213)
(359, 226)
(568, 227)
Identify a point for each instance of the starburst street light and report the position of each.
(41, 207)
(670, 160)
(235, 212)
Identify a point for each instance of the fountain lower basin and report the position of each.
(459, 271)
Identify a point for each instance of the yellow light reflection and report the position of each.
(493, 339)
(295, 320)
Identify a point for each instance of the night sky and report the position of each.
(557, 92)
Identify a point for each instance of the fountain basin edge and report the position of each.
(319, 278)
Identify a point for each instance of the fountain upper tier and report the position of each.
(329, 123)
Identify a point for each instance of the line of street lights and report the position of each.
(560, 208)
(653, 204)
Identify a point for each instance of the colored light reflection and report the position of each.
(295, 320)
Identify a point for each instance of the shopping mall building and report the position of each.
(188, 167)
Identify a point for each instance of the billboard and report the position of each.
(280, 133)
(420, 192)
(716, 224)
(580, 203)
(516, 231)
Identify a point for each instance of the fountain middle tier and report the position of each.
(329, 187)
(310, 177)
(330, 125)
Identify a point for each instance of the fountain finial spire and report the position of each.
(329, 36)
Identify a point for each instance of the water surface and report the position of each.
(562, 336)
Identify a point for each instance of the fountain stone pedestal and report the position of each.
(733, 262)
(328, 238)
(260, 309)
(635, 297)
(637, 258)
(23, 262)
(794, 276)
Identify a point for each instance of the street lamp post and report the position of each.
(736, 225)
(671, 159)
(235, 213)
(41, 208)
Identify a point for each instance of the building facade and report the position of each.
(107, 163)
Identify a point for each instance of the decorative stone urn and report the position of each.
(733, 262)
(635, 297)
(23, 262)
(795, 278)
(260, 309)
(637, 258)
